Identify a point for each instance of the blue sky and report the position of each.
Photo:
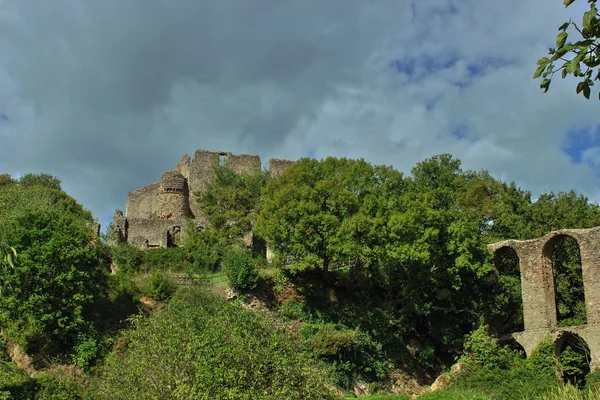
(108, 95)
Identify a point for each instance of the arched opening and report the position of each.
(574, 355)
(563, 254)
(512, 344)
(508, 302)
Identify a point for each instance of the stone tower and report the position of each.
(172, 201)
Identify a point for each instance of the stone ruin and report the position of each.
(538, 293)
(156, 215)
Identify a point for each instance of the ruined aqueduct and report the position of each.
(537, 288)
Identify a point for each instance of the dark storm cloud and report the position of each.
(108, 94)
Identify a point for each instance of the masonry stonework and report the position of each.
(156, 215)
(538, 293)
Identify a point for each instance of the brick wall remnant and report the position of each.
(538, 292)
(278, 167)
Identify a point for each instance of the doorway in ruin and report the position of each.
(563, 253)
(575, 357)
(508, 315)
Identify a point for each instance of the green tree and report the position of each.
(60, 275)
(321, 213)
(230, 201)
(579, 56)
(40, 179)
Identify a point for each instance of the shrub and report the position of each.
(171, 258)
(127, 257)
(241, 269)
(204, 347)
(14, 383)
(50, 387)
(86, 351)
(159, 286)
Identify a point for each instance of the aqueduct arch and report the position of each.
(537, 288)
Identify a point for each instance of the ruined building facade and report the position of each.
(156, 215)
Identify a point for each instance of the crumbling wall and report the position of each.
(278, 167)
(201, 172)
(184, 166)
(149, 233)
(141, 203)
(242, 164)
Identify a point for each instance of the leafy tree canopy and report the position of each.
(577, 52)
(59, 274)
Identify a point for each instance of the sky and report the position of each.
(107, 95)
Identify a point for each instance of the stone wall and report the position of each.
(141, 203)
(537, 287)
(149, 233)
(278, 167)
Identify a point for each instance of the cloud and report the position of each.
(107, 95)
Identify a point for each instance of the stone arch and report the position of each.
(513, 344)
(561, 257)
(509, 278)
(575, 357)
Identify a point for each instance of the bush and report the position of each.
(50, 387)
(86, 351)
(241, 269)
(14, 383)
(127, 257)
(204, 347)
(159, 286)
(171, 258)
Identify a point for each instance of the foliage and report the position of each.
(319, 214)
(86, 351)
(203, 347)
(203, 249)
(241, 269)
(496, 372)
(580, 58)
(45, 180)
(14, 383)
(230, 201)
(575, 361)
(127, 257)
(568, 278)
(160, 287)
(61, 274)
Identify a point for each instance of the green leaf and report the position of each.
(586, 91)
(561, 38)
(543, 61)
(588, 17)
(567, 3)
(564, 73)
(538, 72)
(579, 87)
(545, 85)
(564, 26)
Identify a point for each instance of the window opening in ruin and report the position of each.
(563, 252)
(222, 160)
(508, 316)
(575, 357)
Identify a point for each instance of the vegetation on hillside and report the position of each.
(376, 275)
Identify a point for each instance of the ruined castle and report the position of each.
(155, 215)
